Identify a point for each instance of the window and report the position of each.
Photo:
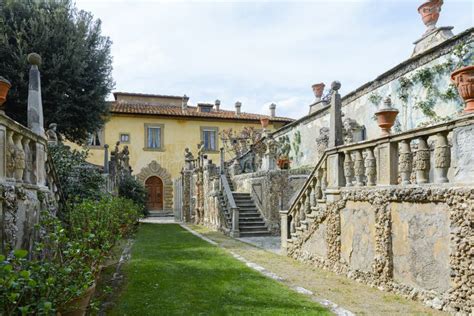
(153, 137)
(209, 137)
(95, 139)
(124, 138)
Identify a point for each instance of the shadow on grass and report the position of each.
(173, 272)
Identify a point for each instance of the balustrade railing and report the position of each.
(230, 205)
(416, 157)
(23, 156)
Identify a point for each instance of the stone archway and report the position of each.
(155, 169)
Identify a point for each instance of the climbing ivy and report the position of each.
(428, 78)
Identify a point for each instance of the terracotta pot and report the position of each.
(4, 88)
(430, 12)
(78, 306)
(463, 78)
(264, 121)
(283, 163)
(318, 90)
(386, 119)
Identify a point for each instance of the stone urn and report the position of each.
(386, 116)
(429, 12)
(5, 86)
(283, 163)
(264, 122)
(463, 78)
(318, 89)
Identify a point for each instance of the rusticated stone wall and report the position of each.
(20, 209)
(415, 241)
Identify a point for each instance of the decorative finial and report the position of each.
(335, 85)
(34, 59)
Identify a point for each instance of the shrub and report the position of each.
(132, 189)
(64, 262)
(78, 179)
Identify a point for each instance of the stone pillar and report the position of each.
(235, 223)
(335, 125)
(405, 162)
(422, 161)
(272, 109)
(387, 163)
(40, 164)
(284, 230)
(335, 161)
(187, 181)
(35, 105)
(106, 158)
(442, 155)
(222, 160)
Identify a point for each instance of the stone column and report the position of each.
(442, 155)
(405, 162)
(284, 230)
(106, 158)
(187, 176)
(222, 160)
(335, 161)
(422, 162)
(235, 223)
(3, 151)
(35, 105)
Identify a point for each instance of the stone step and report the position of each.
(250, 220)
(251, 224)
(255, 233)
(249, 215)
(252, 228)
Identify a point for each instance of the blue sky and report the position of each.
(259, 52)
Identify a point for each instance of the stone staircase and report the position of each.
(251, 222)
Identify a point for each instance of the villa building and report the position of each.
(158, 128)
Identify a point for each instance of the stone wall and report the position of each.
(361, 104)
(272, 191)
(20, 210)
(415, 241)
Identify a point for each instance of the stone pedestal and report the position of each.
(335, 170)
(387, 163)
(268, 163)
(431, 39)
(463, 152)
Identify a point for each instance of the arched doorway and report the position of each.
(154, 187)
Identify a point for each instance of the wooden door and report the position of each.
(154, 187)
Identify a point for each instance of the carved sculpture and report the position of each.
(188, 159)
(359, 168)
(348, 168)
(422, 161)
(405, 162)
(51, 134)
(370, 170)
(352, 131)
(322, 140)
(442, 155)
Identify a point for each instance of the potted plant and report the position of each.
(463, 78)
(78, 306)
(430, 13)
(283, 163)
(386, 116)
(264, 122)
(5, 86)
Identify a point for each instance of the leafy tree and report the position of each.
(132, 189)
(76, 68)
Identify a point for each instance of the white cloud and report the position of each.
(259, 52)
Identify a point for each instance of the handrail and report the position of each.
(413, 133)
(228, 192)
(321, 160)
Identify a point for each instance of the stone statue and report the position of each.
(51, 134)
(322, 140)
(188, 159)
(125, 158)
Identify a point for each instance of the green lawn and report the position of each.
(173, 272)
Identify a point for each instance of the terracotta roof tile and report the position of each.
(126, 107)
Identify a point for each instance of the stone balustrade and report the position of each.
(23, 155)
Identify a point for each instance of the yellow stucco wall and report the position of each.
(177, 135)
